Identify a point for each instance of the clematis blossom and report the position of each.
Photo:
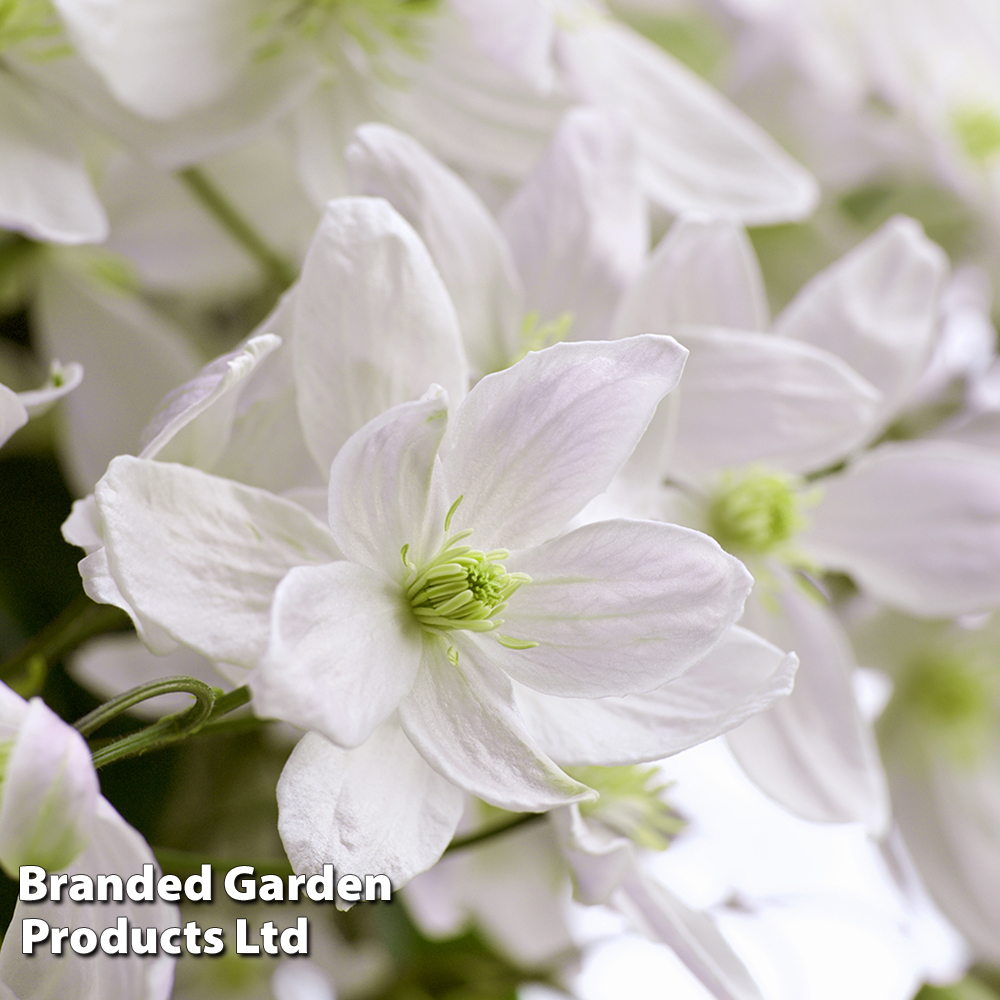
(53, 815)
(398, 632)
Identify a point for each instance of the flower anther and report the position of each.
(757, 513)
(461, 587)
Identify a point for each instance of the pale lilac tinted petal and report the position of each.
(812, 751)
(109, 333)
(741, 676)
(379, 809)
(201, 556)
(374, 326)
(386, 490)
(48, 798)
(699, 152)
(692, 935)
(619, 607)
(917, 525)
(13, 415)
(533, 444)
(462, 236)
(44, 188)
(115, 847)
(754, 397)
(176, 434)
(344, 649)
(877, 308)
(464, 722)
(579, 227)
(703, 272)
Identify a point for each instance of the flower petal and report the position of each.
(49, 793)
(462, 236)
(754, 397)
(741, 676)
(469, 110)
(812, 751)
(619, 607)
(201, 556)
(117, 661)
(379, 809)
(344, 650)
(132, 356)
(917, 524)
(162, 61)
(517, 35)
(692, 935)
(530, 446)
(877, 308)
(176, 434)
(703, 272)
(374, 326)
(45, 191)
(386, 490)
(13, 415)
(464, 722)
(115, 847)
(62, 379)
(699, 152)
(579, 227)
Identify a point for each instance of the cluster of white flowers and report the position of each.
(422, 399)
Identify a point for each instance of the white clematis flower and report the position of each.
(389, 634)
(760, 410)
(53, 815)
(938, 736)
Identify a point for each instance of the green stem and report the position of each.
(82, 619)
(171, 729)
(521, 819)
(103, 714)
(281, 273)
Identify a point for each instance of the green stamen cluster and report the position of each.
(23, 21)
(954, 696)
(369, 22)
(978, 130)
(631, 804)
(755, 514)
(462, 587)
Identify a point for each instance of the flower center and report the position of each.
(755, 514)
(461, 587)
(631, 804)
(369, 22)
(954, 696)
(978, 130)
